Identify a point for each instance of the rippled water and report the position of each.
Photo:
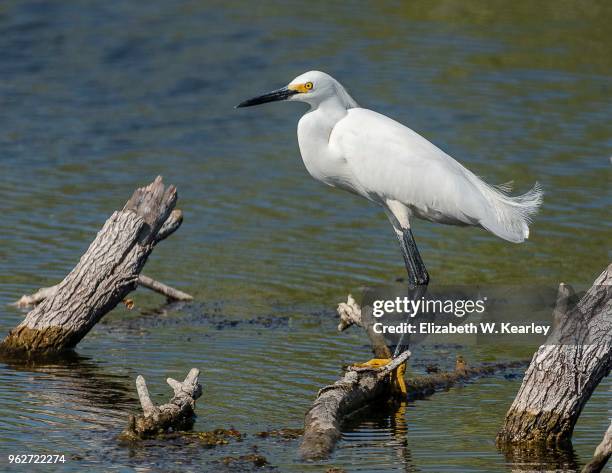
(98, 98)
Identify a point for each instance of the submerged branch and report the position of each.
(161, 288)
(177, 414)
(143, 281)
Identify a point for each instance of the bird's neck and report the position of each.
(332, 109)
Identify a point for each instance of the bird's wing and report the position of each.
(392, 162)
(389, 161)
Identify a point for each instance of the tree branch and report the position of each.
(602, 454)
(161, 288)
(177, 414)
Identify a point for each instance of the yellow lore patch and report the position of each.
(302, 88)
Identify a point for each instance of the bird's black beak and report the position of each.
(274, 96)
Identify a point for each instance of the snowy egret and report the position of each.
(369, 154)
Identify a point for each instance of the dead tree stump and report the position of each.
(177, 414)
(564, 373)
(104, 276)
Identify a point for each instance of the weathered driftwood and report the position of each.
(564, 372)
(334, 404)
(105, 274)
(28, 300)
(177, 414)
(355, 390)
(602, 454)
(362, 386)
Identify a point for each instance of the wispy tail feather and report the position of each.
(509, 216)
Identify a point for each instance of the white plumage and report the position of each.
(382, 160)
(386, 162)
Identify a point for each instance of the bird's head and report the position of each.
(313, 87)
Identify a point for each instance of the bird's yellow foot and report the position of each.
(398, 385)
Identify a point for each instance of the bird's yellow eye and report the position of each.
(308, 85)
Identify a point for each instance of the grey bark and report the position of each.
(602, 454)
(355, 390)
(105, 274)
(362, 386)
(177, 414)
(564, 372)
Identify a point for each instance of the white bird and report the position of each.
(374, 156)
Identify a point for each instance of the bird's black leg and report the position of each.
(417, 273)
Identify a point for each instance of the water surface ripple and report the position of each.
(100, 97)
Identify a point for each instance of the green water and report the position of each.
(100, 97)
